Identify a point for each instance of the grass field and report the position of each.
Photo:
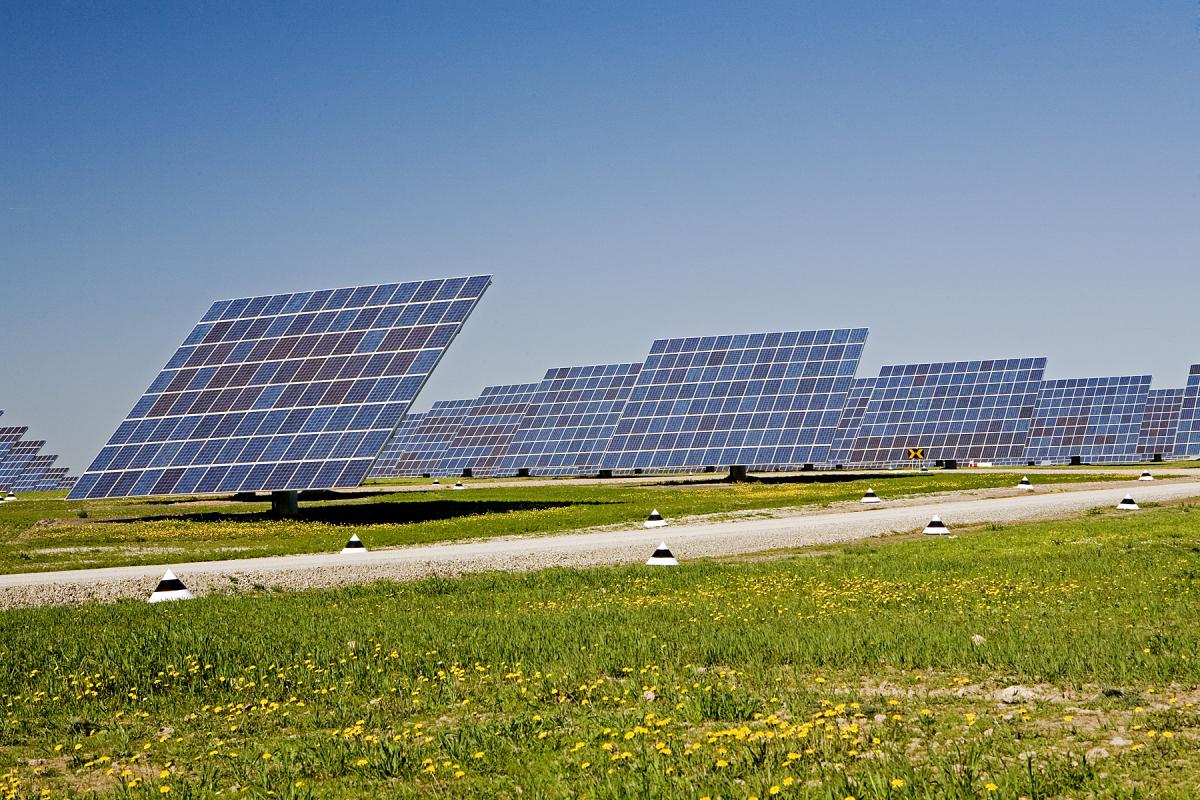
(869, 673)
(42, 532)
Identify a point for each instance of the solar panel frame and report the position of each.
(485, 433)
(1160, 423)
(570, 419)
(951, 411)
(762, 400)
(421, 451)
(1096, 420)
(285, 392)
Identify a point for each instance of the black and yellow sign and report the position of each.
(916, 454)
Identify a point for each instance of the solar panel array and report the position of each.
(959, 410)
(421, 451)
(570, 420)
(484, 435)
(762, 399)
(1187, 438)
(1160, 423)
(52, 479)
(19, 456)
(852, 414)
(284, 392)
(31, 476)
(1092, 419)
(397, 445)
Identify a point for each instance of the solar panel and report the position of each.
(487, 429)
(571, 419)
(1187, 438)
(8, 437)
(852, 414)
(31, 476)
(762, 400)
(1160, 423)
(420, 451)
(403, 434)
(1092, 419)
(958, 410)
(51, 480)
(19, 456)
(294, 391)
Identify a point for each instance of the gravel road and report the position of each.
(573, 549)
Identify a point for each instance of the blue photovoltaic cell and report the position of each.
(959, 410)
(852, 414)
(420, 450)
(1160, 423)
(570, 420)
(289, 392)
(31, 476)
(762, 400)
(1187, 439)
(18, 458)
(485, 433)
(51, 480)
(8, 438)
(1094, 419)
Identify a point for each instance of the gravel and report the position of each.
(610, 546)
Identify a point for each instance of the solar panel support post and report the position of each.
(1076, 461)
(737, 472)
(605, 473)
(468, 473)
(1158, 458)
(808, 468)
(523, 472)
(285, 504)
(950, 463)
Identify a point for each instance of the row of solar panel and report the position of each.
(304, 390)
(22, 466)
(602, 417)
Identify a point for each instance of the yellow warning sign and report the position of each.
(916, 453)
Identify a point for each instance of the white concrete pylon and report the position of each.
(936, 527)
(870, 498)
(169, 588)
(655, 520)
(1145, 476)
(1127, 504)
(662, 557)
(458, 485)
(354, 546)
(1025, 483)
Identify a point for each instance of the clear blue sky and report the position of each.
(967, 179)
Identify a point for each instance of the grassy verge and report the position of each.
(881, 671)
(42, 532)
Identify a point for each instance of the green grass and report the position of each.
(868, 673)
(43, 532)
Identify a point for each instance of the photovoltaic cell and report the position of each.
(285, 392)
(51, 480)
(758, 400)
(1187, 439)
(485, 433)
(1160, 423)
(419, 451)
(852, 414)
(957, 410)
(571, 419)
(1093, 419)
(396, 444)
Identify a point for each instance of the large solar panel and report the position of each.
(31, 477)
(419, 451)
(1092, 419)
(487, 429)
(17, 460)
(404, 433)
(852, 414)
(958, 410)
(1187, 439)
(51, 480)
(8, 437)
(1160, 423)
(762, 400)
(287, 392)
(571, 419)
